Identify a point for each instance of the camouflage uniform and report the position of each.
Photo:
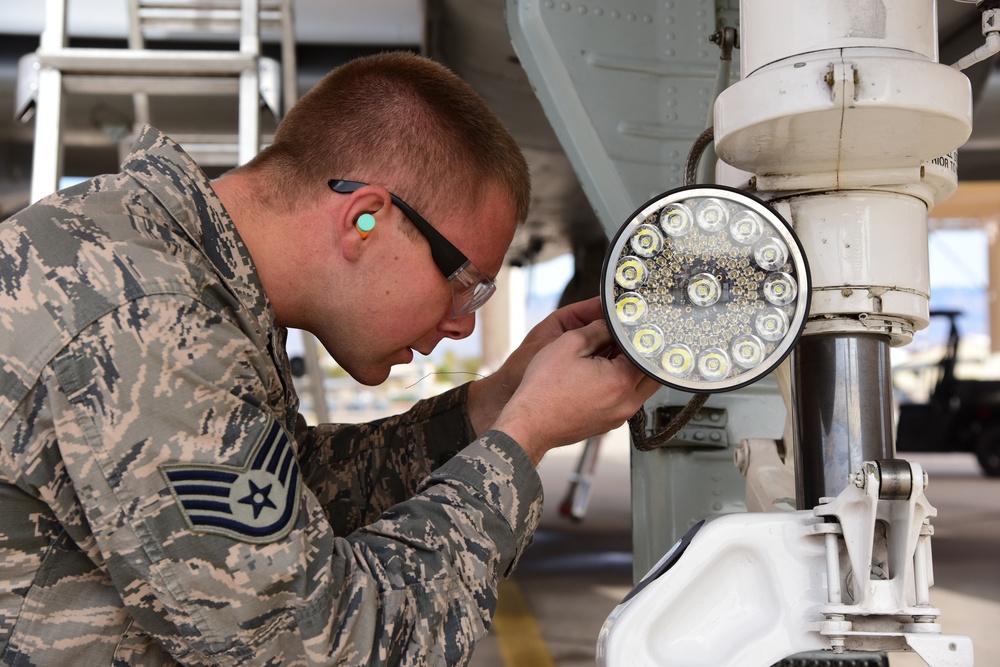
(163, 502)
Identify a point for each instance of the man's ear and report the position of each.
(359, 217)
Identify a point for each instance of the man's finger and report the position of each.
(596, 337)
(579, 314)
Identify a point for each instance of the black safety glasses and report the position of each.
(470, 287)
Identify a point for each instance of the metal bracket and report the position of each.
(851, 575)
(706, 429)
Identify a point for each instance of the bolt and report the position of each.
(861, 477)
(741, 457)
(836, 641)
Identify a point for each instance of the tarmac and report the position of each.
(574, 575)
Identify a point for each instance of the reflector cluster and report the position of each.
(708, 289)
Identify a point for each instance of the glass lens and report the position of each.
(678, 360)
(747, 228)
(676, 219)
(779, 289)
(713, 364)
(748, 351)
(771, 254)
(630, 308)
(631, 272)
(647, 241)
(706, 289)
(712, 215)
(648, 340)
(470, 289)
(771, 324)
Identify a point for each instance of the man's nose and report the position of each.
(458, 327)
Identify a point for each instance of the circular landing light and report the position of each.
(712, 215)
(676, 220)
(713, 364)
(771, 324)
(678, 360)
(780, 289)
(630, 308)
(631, 272)
(748, 351)
(747, 227)
(646, 241)
(706, 288)
(647, 340)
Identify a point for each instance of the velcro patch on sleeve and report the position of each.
(257, 503)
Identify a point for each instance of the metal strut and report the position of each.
(747, 590)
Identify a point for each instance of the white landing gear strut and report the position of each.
(748, 590)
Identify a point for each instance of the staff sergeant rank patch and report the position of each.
(257, 503)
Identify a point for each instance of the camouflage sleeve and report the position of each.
(359, 470)
(221, 553)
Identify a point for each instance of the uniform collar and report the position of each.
(180, 185)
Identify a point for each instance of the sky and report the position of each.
(959, 271)
(958, 258)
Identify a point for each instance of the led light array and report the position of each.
(706, 288)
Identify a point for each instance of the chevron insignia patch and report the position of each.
(257, 503)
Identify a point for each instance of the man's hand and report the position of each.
(488, 396)
(574, 386)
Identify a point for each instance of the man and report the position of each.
(162, 500)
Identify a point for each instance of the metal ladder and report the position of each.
(56, 69)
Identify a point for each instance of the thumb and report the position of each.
(595, 338)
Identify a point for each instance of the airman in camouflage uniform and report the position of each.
(164, 503)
